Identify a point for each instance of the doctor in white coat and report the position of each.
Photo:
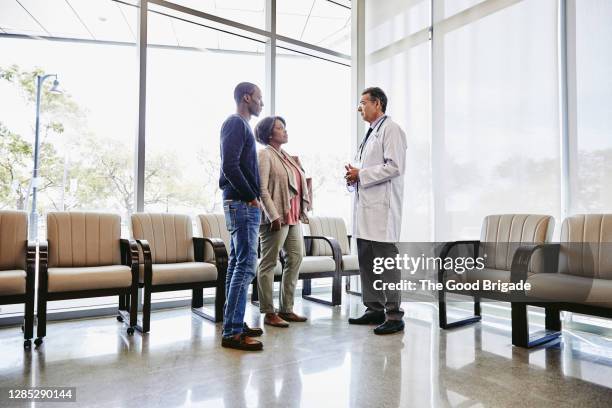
(378, 183)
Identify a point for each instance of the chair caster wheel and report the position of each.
(130, 331)
(38, 341)
(120, 318)
(27, 344)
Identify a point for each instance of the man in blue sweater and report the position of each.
(239, 181)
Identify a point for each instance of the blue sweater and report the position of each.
(239, 177)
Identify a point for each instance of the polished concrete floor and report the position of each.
(321, 363)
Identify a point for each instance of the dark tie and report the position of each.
(365, 140)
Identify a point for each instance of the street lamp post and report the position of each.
(40, 79)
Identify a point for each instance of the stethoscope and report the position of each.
(359, 155)
(354, 187)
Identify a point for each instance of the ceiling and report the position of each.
(320, 22)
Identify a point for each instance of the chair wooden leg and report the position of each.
(219, 302)
(146, 312)
(306, 287)
(197, 298)
(337, 290)
(553, 319)
(28, 322)
(41, 326)
(520, 327)
(443, 317)
(255, 293)
(132, 301)
(336, 293)
(197, 304)
(347, 287)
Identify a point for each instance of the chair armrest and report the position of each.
(43, 261)
(30, 261)
(335, 247)
(219, 250)
(523, 255)
(129, 252)
(217, 245)
(148, 263)
(446, 250)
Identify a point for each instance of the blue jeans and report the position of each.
(242, 222)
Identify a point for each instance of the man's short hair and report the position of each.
(377, 94)
(243, 88)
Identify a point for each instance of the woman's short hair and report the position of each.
(263, 130)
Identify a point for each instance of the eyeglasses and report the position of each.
(363, 103)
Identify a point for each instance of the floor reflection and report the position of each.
(321, 363)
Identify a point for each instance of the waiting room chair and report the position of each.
(84, 256)
(335, 227)
(501, 236)
(173, 259)
(17, 268)
(213, 226)
(325, 263)
(579, 280)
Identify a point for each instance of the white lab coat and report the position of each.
(377, 202)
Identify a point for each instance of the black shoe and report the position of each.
(251, 332)
(368, 318)
(241, 342)
(390, 327)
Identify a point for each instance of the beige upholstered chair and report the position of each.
(84, 256)
(579, 281)
(17, 267)
(173, 259)
(500, 237)
(213, 225)
(336, 228)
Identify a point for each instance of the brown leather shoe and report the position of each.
(272, 319)
(242, 342)
(292, 317)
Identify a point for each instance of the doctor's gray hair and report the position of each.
(376, 93)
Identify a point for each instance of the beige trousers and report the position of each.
(290, 238)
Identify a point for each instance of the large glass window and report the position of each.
(313, 96)
(591, 144)
(452, 7)
(87, 145)
(500, 131)
(189, 95)
(393, 21)
(86, 135)
(398, 61)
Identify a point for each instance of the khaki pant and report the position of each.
(290, 238)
